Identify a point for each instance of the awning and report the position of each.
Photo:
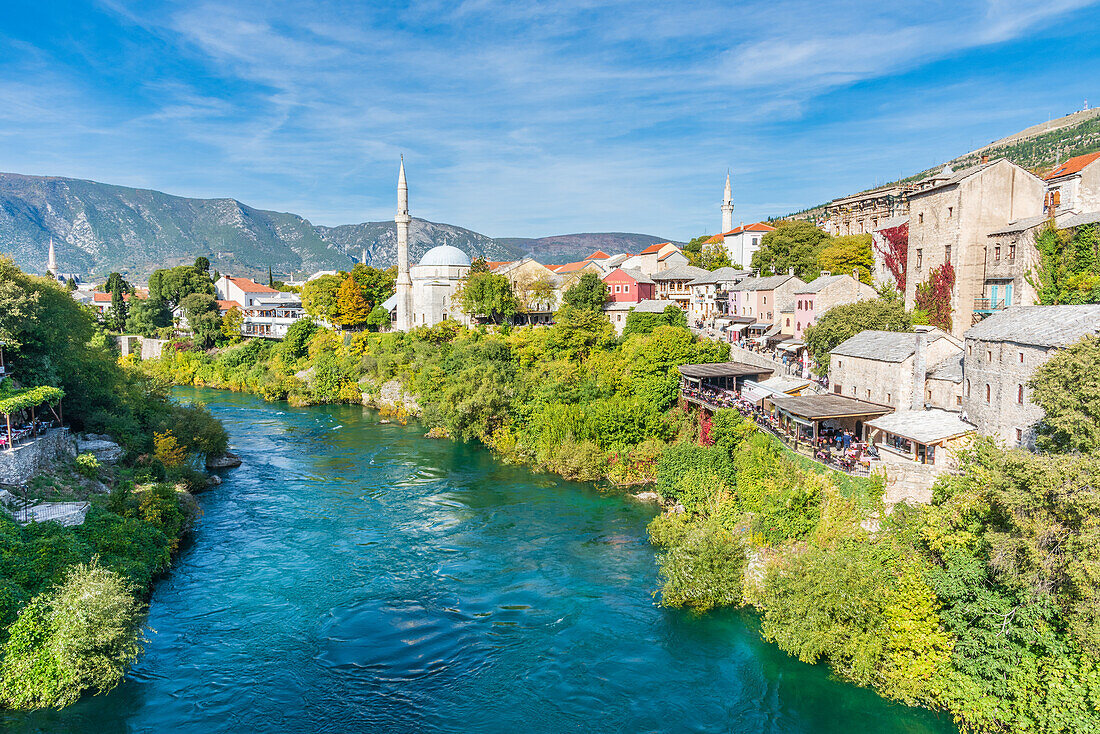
(792, 346)
(736, 327)
(754, 394)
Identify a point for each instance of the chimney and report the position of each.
(920, 369)
(985, 159)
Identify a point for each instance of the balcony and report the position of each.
(990, 305)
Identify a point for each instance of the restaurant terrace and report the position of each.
(716, 385)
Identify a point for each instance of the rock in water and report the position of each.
(228, 460)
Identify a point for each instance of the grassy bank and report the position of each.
(72, 598)
(983, 604)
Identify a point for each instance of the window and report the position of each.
(788, 322)
(1012, 251)
(626, 288)
(997, 253)
(1021, 357)
(799, 327)
(765, 299)
(836, 389)
(968, 388)
(929, 396)
(618, 289)
(888, 397)
(987, 392)
(947, 254)
(853, 391)
(950, 211)
(958, 400)
(989, 355)
(1020, 394)
(839, 364)
(920, 258)
(920, 218)
(970, 349)
(1019, 436)
(800, 305)
(868, 393)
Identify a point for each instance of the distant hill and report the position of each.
(565, 248)
(99, 228)
(1038, 148)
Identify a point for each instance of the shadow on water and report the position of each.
(352, 576)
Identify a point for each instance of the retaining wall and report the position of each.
(19, 464)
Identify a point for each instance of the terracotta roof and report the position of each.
(494, 264)
(250, 286)
(226, 305)
(598, 255)
(669, 254)
(99, 297)
(1073, 165)
(572, 267)
(755, 227)
(654, 248)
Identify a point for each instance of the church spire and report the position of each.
(727, 207)
(404, 281)
(51, 260)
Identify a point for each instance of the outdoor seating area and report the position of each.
(717, 384)
(18, 408)
(27, 432)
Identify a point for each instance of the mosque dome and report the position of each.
(446, 255)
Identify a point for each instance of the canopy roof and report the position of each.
(820, 407)
(923, 426)
(722, 369)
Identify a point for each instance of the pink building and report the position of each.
(818, 296)
(628, 285)
(761, 298)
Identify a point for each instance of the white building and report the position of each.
(434, 283)
(267, 312)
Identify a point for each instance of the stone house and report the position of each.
(526, 275)
(813, 300)
(618, 311)
(950, 222)
(1002, 353)
(657, 258)
(710, 292)
(1073, 187)
(891, 368)
(761, 298)
(672, 284)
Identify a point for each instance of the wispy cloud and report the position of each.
(519, 117)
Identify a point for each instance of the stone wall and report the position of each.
(389, 397)
(747, 356)
(19, 464)
(885, 383)
(152, 348)
(1002, 367)
(906, 481)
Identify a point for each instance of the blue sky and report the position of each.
(522, 118)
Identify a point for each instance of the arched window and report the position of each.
(1020, 394)
(788, 322)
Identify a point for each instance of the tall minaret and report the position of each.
(404, 282)
(51, 260)
(727, 208)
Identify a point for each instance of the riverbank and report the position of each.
(921, 609)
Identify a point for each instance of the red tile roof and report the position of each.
(669, 254)
(572, 267)
(250, 286)
(494, 264)
(598, 255)
(1073, 165)
(653, 248)
(226, 305)
(100, 297)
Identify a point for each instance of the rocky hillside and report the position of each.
(572, 247)
(99, 228)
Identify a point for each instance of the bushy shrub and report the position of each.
(88, 465)
(702, 566)
(80, 636)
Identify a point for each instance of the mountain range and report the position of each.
(98, 228)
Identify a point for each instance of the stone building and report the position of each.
(710, 292)
(761, 298)
(950, 222)
(434, 284)
(530, 280)
(1001, 354)
(816, 298)
(892, 368)
(742, 242)
(867, 211)
(656, 259)
(672, 284)
(1073, 187)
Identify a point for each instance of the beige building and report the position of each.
(1002, 353)
(536, 287)
(950, 222)
(656, 259)
(1073, 187)
(892, 368)
(673, 284)
(816, 298)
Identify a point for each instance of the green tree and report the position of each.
(377, 285)
(792, 244)
(296, 342)
(478, 265)
(115, 317)
(488, 294)
(173, 285)
(843, 322)
(379, 318)
(201, 311)
(1068, 271)
(589, 292)
(847, 254)
(202, 265)
(352, 309)
(1067, 388)
(81, 636)
(645, 323)
(146, 316)
(711, 257)
(232, 323)
(17, 305)
(319, 297)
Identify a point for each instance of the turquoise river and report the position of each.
(357, 577)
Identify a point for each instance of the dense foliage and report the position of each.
(848, 255)
(1069, 265)
(792, 245)
(843, 322)
(1067, 388)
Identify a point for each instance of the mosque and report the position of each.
(425, 292)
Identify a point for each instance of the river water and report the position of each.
(356, 577)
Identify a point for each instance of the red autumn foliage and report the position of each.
(705, 439)
(895, 251)
(934, 296)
